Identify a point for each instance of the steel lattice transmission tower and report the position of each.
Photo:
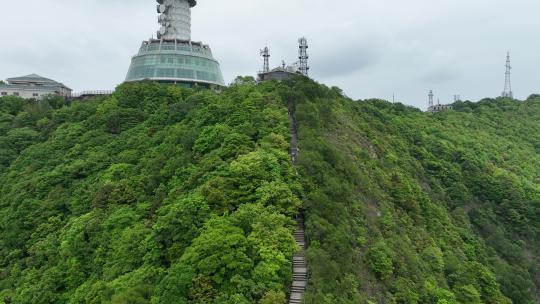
(304, 67)
(508, 83)
(265, 53)
(430, 99)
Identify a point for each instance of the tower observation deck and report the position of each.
(173, 57)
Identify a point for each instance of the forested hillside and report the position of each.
(410, 207)
(155, 195)
(165, 195)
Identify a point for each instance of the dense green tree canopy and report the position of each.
(159, 194)
(412, 207)
(154, 195)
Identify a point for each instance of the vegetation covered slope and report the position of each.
(410, 207)
(154, 195)
(164, 195)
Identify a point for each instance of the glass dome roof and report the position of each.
(181, 62)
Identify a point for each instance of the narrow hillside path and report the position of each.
(300, 271)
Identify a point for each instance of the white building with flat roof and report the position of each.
(33, 86)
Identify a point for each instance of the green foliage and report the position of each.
(379, 260)
(273, 297)
(159, 194)
(156, 194)
(423, 208)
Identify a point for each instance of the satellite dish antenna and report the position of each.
(163, 30)
(162, 8)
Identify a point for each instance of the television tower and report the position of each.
(265, 53)
(175, 19)
(507, 83)
(431, 99)
(304, 68)
(174, 58)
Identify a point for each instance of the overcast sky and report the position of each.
(369, 48)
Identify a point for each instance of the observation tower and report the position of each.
(173, 57)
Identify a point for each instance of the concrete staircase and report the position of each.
(300, 272)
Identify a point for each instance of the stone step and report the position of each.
(299, 284)
(296, 296)
(300, 272)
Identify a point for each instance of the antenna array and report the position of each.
(265, 53)
(304, 67)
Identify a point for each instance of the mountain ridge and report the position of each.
(159, 194)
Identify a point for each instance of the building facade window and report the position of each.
(15, 93)
(35, 94)
(4, 93)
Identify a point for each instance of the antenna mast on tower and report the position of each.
(507, 83)
(265, 53)
(175, 19)
(304, 68)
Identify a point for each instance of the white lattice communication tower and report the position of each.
(431, 99)
(265, 53)
(508, 83)
(304, 67)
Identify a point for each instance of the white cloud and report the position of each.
(370, 48)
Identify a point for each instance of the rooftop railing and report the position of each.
(91, 93)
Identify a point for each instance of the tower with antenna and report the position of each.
(304, 67)
(265, 53)
(508, 83)
(430, 95)
(174, 58)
